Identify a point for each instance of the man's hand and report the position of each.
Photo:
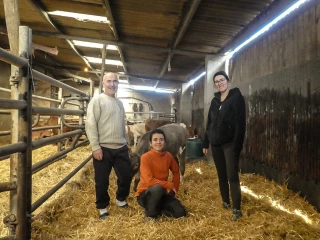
(205, 151)
(97, 154)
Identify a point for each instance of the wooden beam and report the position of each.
(11, 11)
(106, 5)
(104, 53)
(47, 17)
(183, 27)
(123, 44)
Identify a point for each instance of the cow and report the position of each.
(53, 121)
(155, 123)
(137, 130)
(176, 138)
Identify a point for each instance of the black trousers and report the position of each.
(227, 164)
(157, 201)
(119, 160)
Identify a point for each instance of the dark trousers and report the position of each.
(119, 160)
(157, 201)
(227, 164)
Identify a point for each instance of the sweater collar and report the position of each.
(158, 153)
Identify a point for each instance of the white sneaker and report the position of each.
(122, 204)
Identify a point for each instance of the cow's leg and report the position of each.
(182, 165)
(136, 181)
(135, 140)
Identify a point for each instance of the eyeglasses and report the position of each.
(219, 81)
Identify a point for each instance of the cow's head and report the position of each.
(135, 162)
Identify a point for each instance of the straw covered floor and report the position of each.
(270, 211)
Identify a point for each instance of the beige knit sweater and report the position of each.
(105, 124)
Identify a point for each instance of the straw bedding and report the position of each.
(270, 211)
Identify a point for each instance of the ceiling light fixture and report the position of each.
(197, 78)
(144, 88)
(107, 61)
(80, 17)
(267, 27)
(94, 45)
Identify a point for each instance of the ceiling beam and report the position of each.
(122, 44)
(144, 77)
(47, 17)
(183, 27)
(106, 5)
(61, 72)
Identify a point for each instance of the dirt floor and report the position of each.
(270, 211)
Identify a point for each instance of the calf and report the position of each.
(137, 130)
(155, 123)
(176, 138)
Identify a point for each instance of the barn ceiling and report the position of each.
(160, 43)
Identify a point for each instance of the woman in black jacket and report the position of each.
(225, 132)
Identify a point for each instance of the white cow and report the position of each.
(137, 130)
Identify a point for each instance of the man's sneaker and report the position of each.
(236, 215)
(122, 204)
(226, 205)
(103, 216)
(149, 219)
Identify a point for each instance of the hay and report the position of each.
(43, 180)
(72, 215)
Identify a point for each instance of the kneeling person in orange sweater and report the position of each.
(155, 193)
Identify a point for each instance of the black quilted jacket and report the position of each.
(226, 121)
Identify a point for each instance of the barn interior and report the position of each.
(165, 54)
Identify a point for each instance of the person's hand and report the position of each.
(97, 154)
(173, 192)
(205, 151)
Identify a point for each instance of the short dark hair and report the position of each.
(223, 73)
(157, 130)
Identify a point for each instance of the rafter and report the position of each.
(183, 27)
(106, 5)
(49, 20)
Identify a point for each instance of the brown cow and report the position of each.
(52, 121)
(155, 123)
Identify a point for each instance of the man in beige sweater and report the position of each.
(105, 128)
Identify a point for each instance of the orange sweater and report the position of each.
(154, 169)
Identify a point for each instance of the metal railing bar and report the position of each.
(43, 77)
(33, 96)
(52, 159)
(7, 186)
(4, 157)
(56, 111)
(47, 195)
(4, 112)
(12, 148)
(53, 139)
(8, 57)
(12, 104)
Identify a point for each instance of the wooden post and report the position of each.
(91, 88)
(60, 97)
(104, 53)
(11, 11)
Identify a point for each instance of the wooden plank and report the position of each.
(307, 34)
(313, 33)
(300, 40)
(318, 29)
